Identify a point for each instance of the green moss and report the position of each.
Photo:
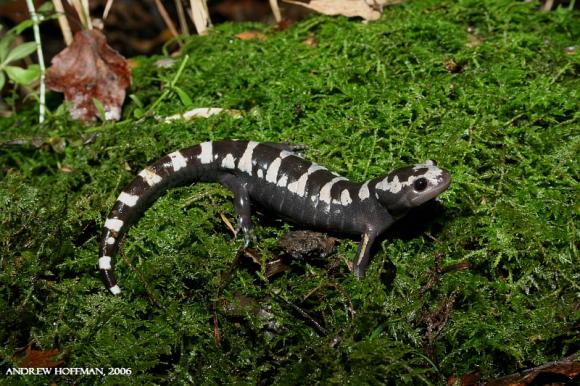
(484, 87)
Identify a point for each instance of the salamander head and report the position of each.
(411, 186)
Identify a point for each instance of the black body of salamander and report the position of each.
(283, 182)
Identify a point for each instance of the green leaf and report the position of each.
(20, 51)
(100, 109)
(138, 113)
(47, 7)
(185, 99)
(5, 43)
(20, 75)
(2, 80)
(21, 27)
(136, 99)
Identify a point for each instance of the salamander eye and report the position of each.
(420, 184)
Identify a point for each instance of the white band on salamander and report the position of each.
(105, 262)
(324, 194)
(229, 162)
(150, 177)
(178, 161)
(128, 199)
(115, 290)
(364, 192)
(206, 154)
(272, 172)
(245, 162)
(114, 224)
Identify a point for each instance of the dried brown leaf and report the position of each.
(283, 24)
(564, 371)
(348, 8)
(89, 69)
(202, 112)
(247, 35)
(571, 50)
(311, 41)
(469, 379)
(37, 358)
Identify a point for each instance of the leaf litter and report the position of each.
(87, 71)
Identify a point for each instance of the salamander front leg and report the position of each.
(242, 205)
(363, 254)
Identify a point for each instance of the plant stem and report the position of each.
(36, 21)
(171, 85)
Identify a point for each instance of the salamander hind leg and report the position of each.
(361, 260)
(242, 205)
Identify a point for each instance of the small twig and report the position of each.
(559, 73)
(276, 10)
(181, 17)
(82, 8)
(252, 255)
(63, 22)
(513, 119)
(548, 5)
(319, 329)
(36, 30)
(274, 265)
(87, 14)
(228, 224)
(338, 288)
(462, 266)
(166, 18)
(216, 325)
(430, 236)
(200, 16)
(107, 8)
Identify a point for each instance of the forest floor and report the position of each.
(487, 281)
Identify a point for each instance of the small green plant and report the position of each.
(10, 54)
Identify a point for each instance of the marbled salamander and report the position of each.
(281, 181)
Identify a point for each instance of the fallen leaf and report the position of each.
(202, 112)
(241, 10)
(571, 50)
(311, 41)
(307, 244)
(37, 358)
(283, 24)
(132, 63)
(473, 38)
(348, 8)
(452, 66)
(228, 223)
(165, 63)
(469, 379)
(274, 264)
(564, 371)
(247, 35)
(89, 69)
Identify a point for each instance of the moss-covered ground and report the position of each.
(487, 280)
